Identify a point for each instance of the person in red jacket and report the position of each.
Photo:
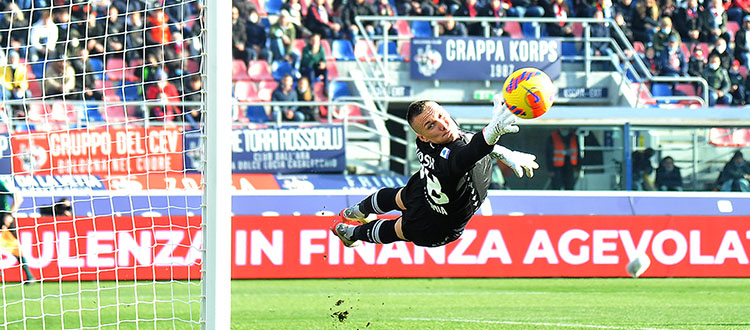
(163, 91)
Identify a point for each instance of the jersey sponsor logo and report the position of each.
(445, 153)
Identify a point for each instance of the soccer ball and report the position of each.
(528, 93)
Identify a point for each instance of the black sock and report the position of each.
(381, 202)
(379, 231)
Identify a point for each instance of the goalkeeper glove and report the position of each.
(516, 160)
(502, 121)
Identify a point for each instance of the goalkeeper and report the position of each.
(438, 201)
(8, 231)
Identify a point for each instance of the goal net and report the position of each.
(101, 138)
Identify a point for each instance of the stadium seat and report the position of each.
(319, 91)
(192, 66)
(421, 29)
(686, 89)
(256, 114)
(530, 30)
(37, 69)
(115, 69)
(405, 51)
(128, 92)
(245, 91)
(259, 70)
(347, 110)
(393, 54)
(333, 70)
(35, 87)
(97, 66)
(298, 44)
(265, 89)
(239, 70)
(403, 28)
(327, 49)
(364, 50)
(514, 29)
(569, 49)
(115, 114)
(638, 47)
(281, 68)
(343, 50)
(660, 90)
(733, 26)
(273, 7)
(339, 89)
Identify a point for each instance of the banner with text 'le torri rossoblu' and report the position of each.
(314, 149)
(477, 58)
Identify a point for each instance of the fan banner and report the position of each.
(450, 58)
(317, 149)
(98, 151)
(304, 247)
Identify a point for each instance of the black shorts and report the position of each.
(428, 231)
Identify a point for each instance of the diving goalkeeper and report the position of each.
(455, 171)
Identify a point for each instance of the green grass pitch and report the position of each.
(618, 303)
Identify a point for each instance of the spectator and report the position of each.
(193, 93)
(650, 60)
(282, 35)
(417, 8)
(383, 8)
(285, 93)
(256, 38)
(735, 175)
(163, 91)
(625, 27)
(563, 159)
(718, 82)
(294, 11)
(14, 78)
(471, 8)
(94, 35)
(115, 33)
(158, 35)
(14, 27)
(742, 43)
(86, 78)
(320, 20)
(559, 10)
(134, 38)
(525, 8)
(244, 7)
(645, 21)
(668, 177)
(313, 62)
(738, 84)
(43, 38)
(665, 33)
(671, 61)
(600, 30)
(495, 9)
(61, 208)
(69, 37)
(356, 8)
(305, 94)
(627, 10)
(720, 50)
(714, 22)
(696, 65)
(687, 21)
(450, 27)
(642, 169)
(739, 10)
(239, 37)
(59, 79)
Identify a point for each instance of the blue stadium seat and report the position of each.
(37, 68)
(529, 30)
(660, 89)
(569, 49)
(256, 114)
(421, 29)
(393, 54)
(343, 50)
(273, 7)
(128, 92)
(340, 89)
(98, 66)
(281, 68)
(92, 114)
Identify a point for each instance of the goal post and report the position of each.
(114, 119)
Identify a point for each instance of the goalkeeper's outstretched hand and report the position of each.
(516, 160)
(502, 121)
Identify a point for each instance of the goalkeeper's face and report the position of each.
(435, 125)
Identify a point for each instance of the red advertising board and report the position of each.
(303, 247)
(103, 151)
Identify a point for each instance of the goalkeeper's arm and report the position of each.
(516, 160)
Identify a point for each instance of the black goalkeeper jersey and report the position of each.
(450, 186)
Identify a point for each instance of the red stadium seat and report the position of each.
(115, 69)
(405, 51)
(733, 26)
(35, 88)
(638, 47)
(688, 89)
(364, 50)
(259, 70)
(298, 45)
(327, 49)
(265, 89)
(514, 29)
(115, 114)
(333, 71)
(239, 70)
(403, 28)
(245, 91)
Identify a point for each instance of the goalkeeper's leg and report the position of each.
(381, 202)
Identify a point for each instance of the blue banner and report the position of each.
(317, 149)
(477, 58)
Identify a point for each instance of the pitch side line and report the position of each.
(568, 325)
